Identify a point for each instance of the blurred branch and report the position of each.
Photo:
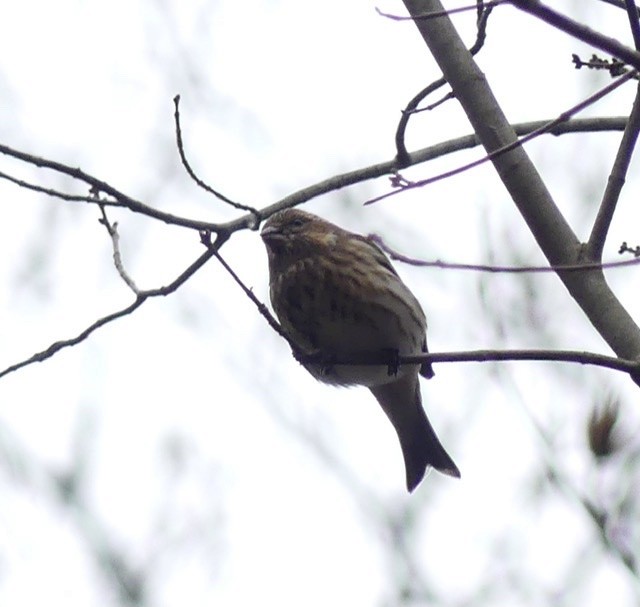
(566, 485)
(67, 487)
(599, 516)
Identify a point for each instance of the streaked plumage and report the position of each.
(336, 293)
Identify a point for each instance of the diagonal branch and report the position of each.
(402, 155)
(634, 24)
(98, 186)
(529, 193)
(142, 296)
(579, 31)
(546, 128)
(438, 150)
(224, 231)
(595, 245)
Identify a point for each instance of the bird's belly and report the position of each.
(361, 375)
(341, 322)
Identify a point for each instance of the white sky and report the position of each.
(190, 410)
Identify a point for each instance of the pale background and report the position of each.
(183, 446)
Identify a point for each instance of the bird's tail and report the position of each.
(402, 403)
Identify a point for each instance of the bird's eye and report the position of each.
(297, 223)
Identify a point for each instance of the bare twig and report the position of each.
(424, 155)
(579, 31)
(402, 155)
(205, 237)
(568, 356)
(112, 229)
(434, 15)
(495, 269)
(410, 185)
(597, 238)
(223, 231)
(548, 225)
(142, 296)
(120, 199)
(57, 193)
(192, 174)
(97, 186)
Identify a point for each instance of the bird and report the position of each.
(339, 300)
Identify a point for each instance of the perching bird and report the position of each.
(336, 294)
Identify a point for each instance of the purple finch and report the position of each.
(338, 297)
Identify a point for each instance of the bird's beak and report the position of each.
(270, 234)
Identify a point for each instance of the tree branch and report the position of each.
(579, 31)
(545, 128)
(547, 224)
(496, 269)
(568, 356)
(142, 296)
(97, 187)
(595, 245)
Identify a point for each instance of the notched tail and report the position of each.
(421, 448)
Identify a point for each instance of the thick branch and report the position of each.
(547, 224)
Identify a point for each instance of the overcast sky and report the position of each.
(204, 453)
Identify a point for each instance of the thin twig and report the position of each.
(568, 356)
(97, 186)
(565, 116)
(112, 229)
(206, 187)
(579, 31)
(55, 347)
(402, 155)
(377, 358)
(264, 311)
(100, 186)
(438, 150)
(597, 238)
(434, 15)
(57, 193)
(495, 269)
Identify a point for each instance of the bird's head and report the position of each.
(293, 234)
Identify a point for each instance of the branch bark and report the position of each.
(547, 224)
